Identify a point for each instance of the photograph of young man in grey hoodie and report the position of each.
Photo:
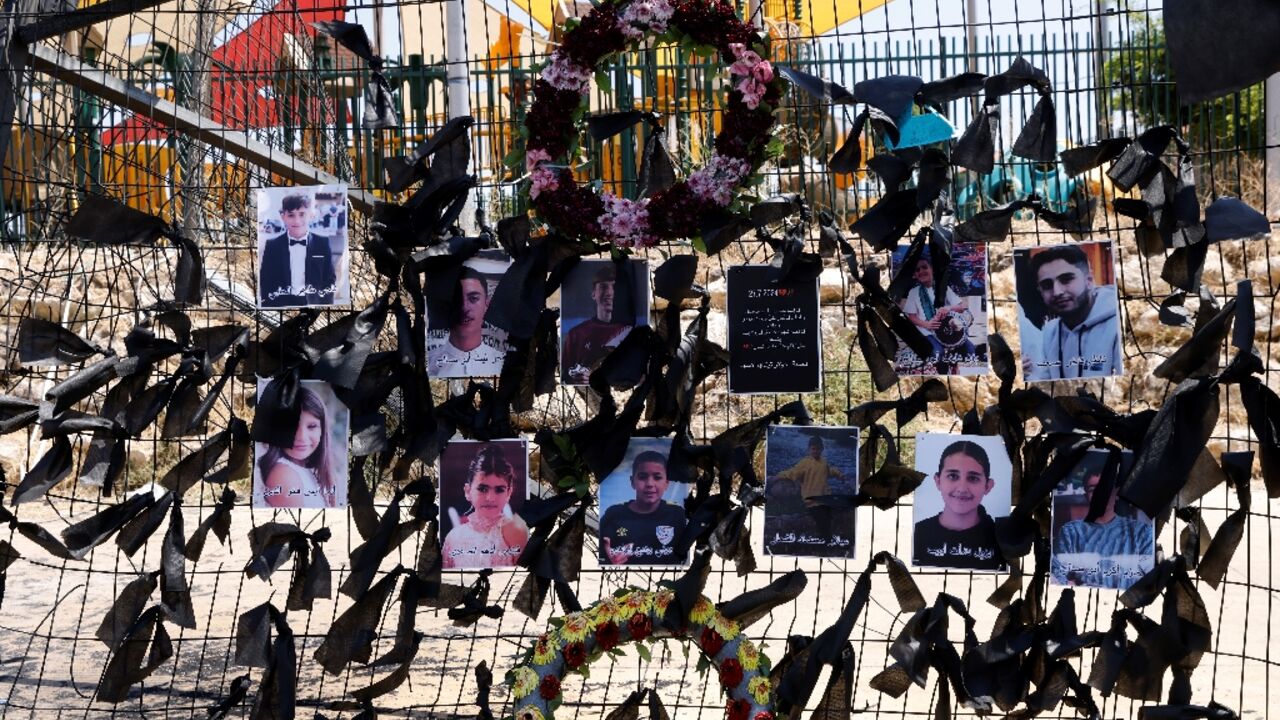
(1080, 336)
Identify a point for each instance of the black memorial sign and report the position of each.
(774, 342)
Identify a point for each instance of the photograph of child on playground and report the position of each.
(955, 320)
(802, 466)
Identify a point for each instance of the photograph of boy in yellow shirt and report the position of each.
(802, 466)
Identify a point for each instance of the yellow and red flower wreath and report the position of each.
(578, 639)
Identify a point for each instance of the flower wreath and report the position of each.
(579, 638)
(560, 102)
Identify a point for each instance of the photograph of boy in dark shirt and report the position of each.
(643, 531)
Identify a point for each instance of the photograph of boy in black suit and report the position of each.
(298, 262)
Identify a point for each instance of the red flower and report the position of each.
(763, 715)
(575, 654)
(738, 709)
(607, 635)
(731, 673)
(597, 35)
(640, 626)
(549, 688)
(711, 642)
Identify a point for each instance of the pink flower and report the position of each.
(543, 178)
(643, 17)
(626, 221)
(752, 92)
(564, 74)
(744, 59)
(755, 72)
(762, 72)
(715, 181)
(534, 157)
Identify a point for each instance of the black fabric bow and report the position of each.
(449, 149)
(43, 342)
(554, 559)
(379, 101)
(272, 544)
(994, 225)
(797, 674)
(975, 150)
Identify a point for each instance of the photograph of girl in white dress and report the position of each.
(482, 486)
(312, 472)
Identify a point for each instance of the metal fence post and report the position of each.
(1272, 112)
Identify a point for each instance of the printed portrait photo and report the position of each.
(1068, 311)
(470, 346)
(950, 309)
(641, 511)
(967, 486)
(482, 486)
(597, 312)
(302, 247)
(1114, 550)
(312, 472)
(804, 465)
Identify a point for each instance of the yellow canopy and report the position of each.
(818, 16)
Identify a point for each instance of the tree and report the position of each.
(1143, 82)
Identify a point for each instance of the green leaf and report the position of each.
(699, 244)
(703, 664)
(643, 652)
(604, 82)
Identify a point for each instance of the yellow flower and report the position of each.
(576, 627)
(749, 655)
(526, 681)
(662, 600)
(606, 610)
(760, 689)
(530, 712)
(544, 650)
(640, 601)
(727, 628)
(703, 610)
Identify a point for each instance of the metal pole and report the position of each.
(1100, 28)
(1272, 112)
(455, 53)
(756, 16)
(458, 90)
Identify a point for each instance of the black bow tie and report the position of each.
(293, 242)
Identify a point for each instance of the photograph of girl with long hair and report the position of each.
(312, 472)
(955, 514)
(482, 485)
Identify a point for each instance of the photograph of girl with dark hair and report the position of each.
(482, 486)
(312, 472)
(955, 514)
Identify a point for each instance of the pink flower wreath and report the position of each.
(631, 615)
(552, 124)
